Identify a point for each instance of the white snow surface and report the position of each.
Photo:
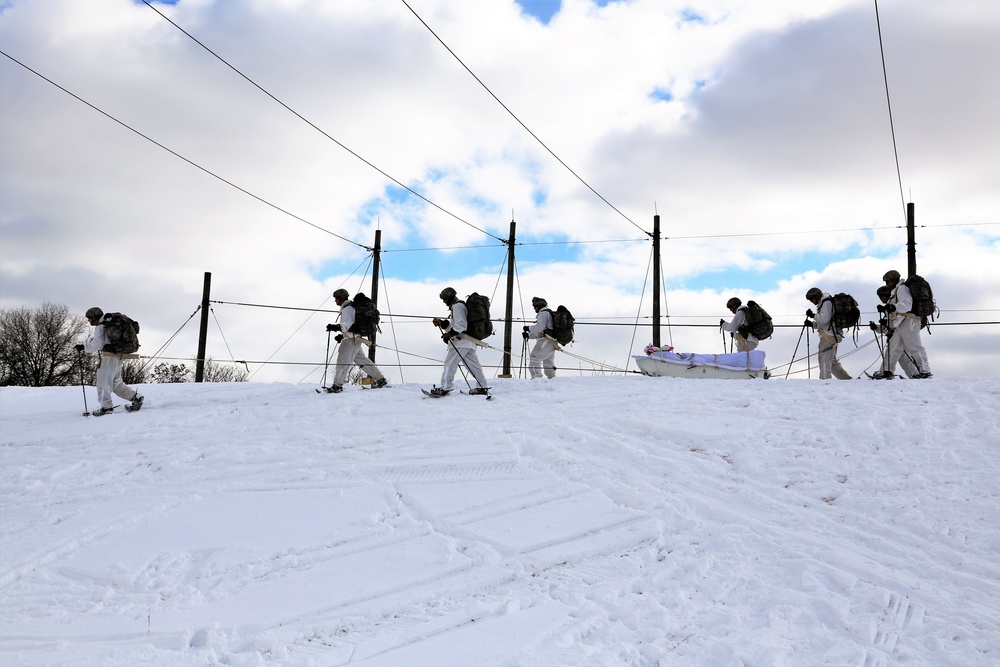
(578, 521)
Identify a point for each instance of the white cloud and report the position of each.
(777, 124)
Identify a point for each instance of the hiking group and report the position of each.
(904, 309)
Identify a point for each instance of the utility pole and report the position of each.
(911, 241)
(509, 311)
(656, 280)
(376, 253)
(199, 368)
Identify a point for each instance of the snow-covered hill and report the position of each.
(579, 521)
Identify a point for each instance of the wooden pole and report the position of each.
(206, 292)
(509, 309)
(656, 281)
(911, 241)
(376, 253)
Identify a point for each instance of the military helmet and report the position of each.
(814, 293)
(891, 276)
(448, 295)
(538, 302)
(341, 294)
(884, 290)
(95, 312)
(733, 303)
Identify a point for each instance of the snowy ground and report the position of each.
(580, 521)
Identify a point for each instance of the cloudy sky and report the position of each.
(133, 161)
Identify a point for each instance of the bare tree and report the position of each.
(165, 373)
(37, 346)
(134, 372)
(222, 372)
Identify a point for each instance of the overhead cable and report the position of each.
(527, 129)
(178, 155)
(315, 127)
(888, 104)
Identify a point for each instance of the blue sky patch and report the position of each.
(543, 10)
(662, 95)
(691, 16)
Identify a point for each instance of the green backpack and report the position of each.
(478, 313)
(122, 333)
(562, 325)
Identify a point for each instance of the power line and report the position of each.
(315, 127)
(178, 155)
(528, 130)
(888, 104)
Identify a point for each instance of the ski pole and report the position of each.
(86, 410)
(326, 363)
(808, 356)
(524, 353)
(795, 351)
(464, 363)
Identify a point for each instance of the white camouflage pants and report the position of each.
(542, 356)
(905, 341)
(109, 381)
(461, 351)
(352, 352)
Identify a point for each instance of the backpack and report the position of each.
(562, 325)
(758, 322)
(478, 309)
(122, 333)
(366, 315)
(924, 305)
(846, 312)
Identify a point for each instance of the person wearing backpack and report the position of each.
(351, 348)
(829, 335)
(882, 328)
(739, 321)
(109, 368)
(460, 350)
(542, 358)
(904, 327)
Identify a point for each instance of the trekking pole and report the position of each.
(326, 362)
(808, 356)
(86, 410)
(524, 356)
(461, 358)
(795, 351)
(329, 354)
(882, 350)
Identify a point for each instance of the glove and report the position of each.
(890, 308)
(524, 334)
(333, 327)
(448, 335)
(810, 313)
(809, 323)
(526, 328)
(880, 308)
(873, 326)
(78, 347)
(722, 323)
(339, 337)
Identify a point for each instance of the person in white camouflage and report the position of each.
(109, 368)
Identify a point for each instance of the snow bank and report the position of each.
(579, 521)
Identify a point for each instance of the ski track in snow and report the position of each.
(597, 521)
